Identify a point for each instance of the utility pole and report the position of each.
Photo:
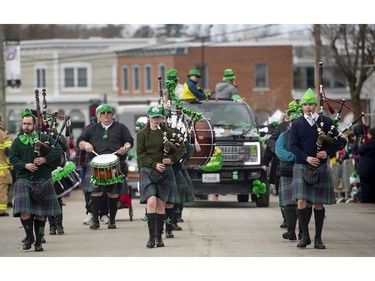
(318, 48)
(2, 78)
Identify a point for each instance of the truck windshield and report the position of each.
(231, 115)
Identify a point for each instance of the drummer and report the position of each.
(106, 137)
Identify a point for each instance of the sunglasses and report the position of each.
(105, 112)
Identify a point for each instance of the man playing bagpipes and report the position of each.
(35, 197)
(303, 144)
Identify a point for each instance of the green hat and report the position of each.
(228, 75)
(309, 97)
(154, 111)
(28, 112)
(194, 72)
(295, 115)
(104, 108)
(236, 97)
(294, 106)
(172, 74)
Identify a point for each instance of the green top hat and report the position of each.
(103, 108)
(194, 72)
(294, 115)
(172, 74)
(309, 97)
(228, 75)
(155, 111)
(294, 106)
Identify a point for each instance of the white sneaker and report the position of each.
(104, 219)
(88, 219)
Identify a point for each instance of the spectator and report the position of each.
(366, 168)
(191, 89)
(227, 88)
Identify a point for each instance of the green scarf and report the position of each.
(28, 138)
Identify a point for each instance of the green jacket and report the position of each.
(21, 154)
(150, 148)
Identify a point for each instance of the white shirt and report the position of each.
(312, 119)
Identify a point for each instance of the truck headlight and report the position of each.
(250, 153)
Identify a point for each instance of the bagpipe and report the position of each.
(328, 138)
(47, 124)
(190, 128)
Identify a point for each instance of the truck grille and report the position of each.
(230, 153)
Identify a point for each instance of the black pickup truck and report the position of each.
(235, 132)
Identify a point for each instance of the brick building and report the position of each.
(264, 73)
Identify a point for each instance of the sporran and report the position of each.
(156, 176)
(310, 174)
(37, 192)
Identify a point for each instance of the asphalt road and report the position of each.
(221, 229)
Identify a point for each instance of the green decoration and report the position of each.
(105, 136)
(215, 163)
(235, 175)
(259, 187)
(114, 180)
(28, 138)
(61, 173)
(27, 112)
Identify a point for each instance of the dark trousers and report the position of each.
(104, 209)
(367, 190)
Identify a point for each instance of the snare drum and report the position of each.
(106, 170)
(65, 179)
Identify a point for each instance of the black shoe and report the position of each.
(151, 242)
(290, 235)
(38, 247)
(159, 242)
(24, 240)
(94, 226)
(180, 220)
(27, 244)
(283, 225)
(4, 214)
(10, 205)
(60, 230)
(52, 230)
(176, 227)
(318, 244)
(111, 225)
(304, 242)
(169, 234)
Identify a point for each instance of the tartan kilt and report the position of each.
(320, 193)
(118, 188)
(166, 191)
(23, 204)
(286, 192)
(184, 188)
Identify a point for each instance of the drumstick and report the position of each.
(95, 153)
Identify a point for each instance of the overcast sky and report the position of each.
(167, 11)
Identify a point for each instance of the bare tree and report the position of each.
(353, 49)
(145, 31)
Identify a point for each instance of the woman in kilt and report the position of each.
(302, 140)
(150, 152)
(106, 137)
(33, 170)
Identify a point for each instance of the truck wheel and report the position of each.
(263, 200)
(243, 198)
(201, 196)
